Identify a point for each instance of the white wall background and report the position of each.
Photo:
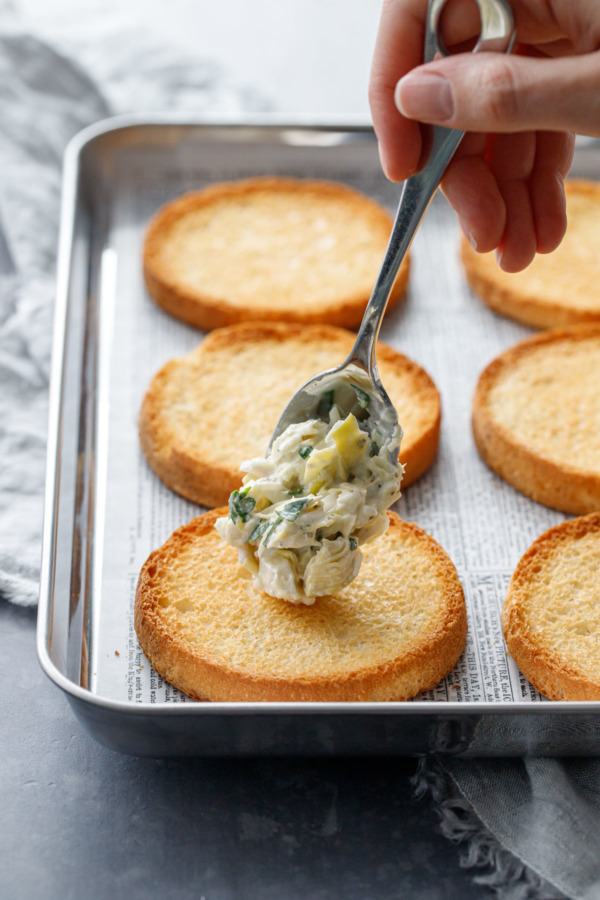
(303, 56)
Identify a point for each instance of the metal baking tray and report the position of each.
(116, 174)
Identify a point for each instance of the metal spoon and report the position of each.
(355, 385)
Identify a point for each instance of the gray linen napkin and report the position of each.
(46, 97)
(529, 826)
(44, 101)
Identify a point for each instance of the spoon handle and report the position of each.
(416, 195)
(496, 34)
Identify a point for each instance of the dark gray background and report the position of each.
(81, 821)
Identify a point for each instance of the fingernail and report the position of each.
(426, 97)
(387, 164)
(383, 160)
(469, 235)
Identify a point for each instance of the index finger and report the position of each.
(398, 49)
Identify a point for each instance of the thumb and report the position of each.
(492, 92)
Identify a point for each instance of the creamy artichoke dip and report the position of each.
(304, 511)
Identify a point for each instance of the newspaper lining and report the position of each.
(483, 524)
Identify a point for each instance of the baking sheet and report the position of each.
(484, 525)
(107, 509)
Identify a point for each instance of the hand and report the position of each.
(506, 181)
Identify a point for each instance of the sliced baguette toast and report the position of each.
(395, 631)
(536, 418)
(557, 289)
(551, 615)
(272, 248)
(205, 413)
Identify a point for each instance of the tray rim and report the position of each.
(68, 205)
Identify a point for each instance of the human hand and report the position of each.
(520, 112)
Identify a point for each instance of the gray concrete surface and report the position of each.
(80, 821)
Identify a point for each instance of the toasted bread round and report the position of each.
(395, 631)
(281, 249)
(557, 289)
(536, 418)
(551, 615)
(205, 413)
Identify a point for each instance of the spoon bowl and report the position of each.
(353, 390)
